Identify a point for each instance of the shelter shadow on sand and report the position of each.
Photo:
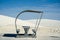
(19, 35)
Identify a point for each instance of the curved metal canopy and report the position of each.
(28, 11)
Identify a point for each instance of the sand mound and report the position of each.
(48, 29)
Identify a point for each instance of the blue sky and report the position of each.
(51, 8)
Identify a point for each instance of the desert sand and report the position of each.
(48, 29)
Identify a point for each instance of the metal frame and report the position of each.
(36, 22)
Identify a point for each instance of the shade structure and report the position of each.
(37, 22)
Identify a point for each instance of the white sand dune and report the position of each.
(46, 31)
(8, 21)
(47, 22)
